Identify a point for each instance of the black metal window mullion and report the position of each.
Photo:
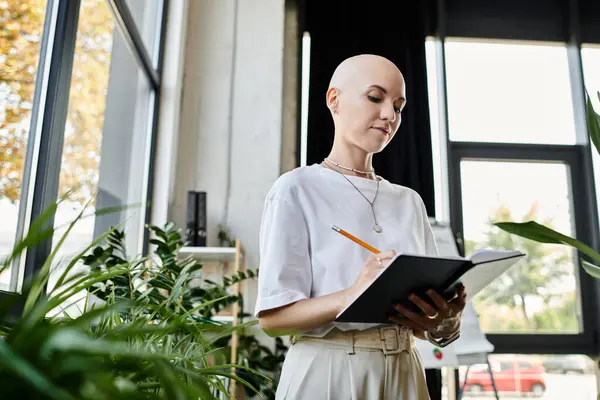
(155, 120)
(587, 230)
(45, 193)
(445, 153)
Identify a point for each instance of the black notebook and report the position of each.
(407, 273)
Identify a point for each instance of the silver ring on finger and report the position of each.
(378, 260)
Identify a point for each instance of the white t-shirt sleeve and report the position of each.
(284, 273)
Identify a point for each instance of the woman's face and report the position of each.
(368, 110)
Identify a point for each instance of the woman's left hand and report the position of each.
(443, 314)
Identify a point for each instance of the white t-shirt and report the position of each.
(302, 257)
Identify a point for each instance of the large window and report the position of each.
(94, 126)
(510, 116)
(510, 143)
(507, 89)
(107, 134)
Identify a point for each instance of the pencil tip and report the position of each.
(335, 228)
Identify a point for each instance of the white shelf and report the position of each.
(208, 253)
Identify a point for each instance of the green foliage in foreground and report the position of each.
(113, 328)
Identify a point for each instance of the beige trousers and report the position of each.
(376, 364)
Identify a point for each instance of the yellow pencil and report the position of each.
(355, 239)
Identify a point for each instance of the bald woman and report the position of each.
(308, 272)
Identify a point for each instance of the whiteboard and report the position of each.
(472, 347)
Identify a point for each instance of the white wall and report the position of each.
(230, 135)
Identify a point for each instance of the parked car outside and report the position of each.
(569, 364)
(511, 375)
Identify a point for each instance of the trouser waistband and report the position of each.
(388, 339)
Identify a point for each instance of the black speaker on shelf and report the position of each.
(195, 229)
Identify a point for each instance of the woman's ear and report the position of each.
(332, 100)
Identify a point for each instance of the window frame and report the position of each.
(39, 189)
(579, 159)
(576, 157)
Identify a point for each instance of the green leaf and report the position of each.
(202, 385)
(540, 233)
(593, 121)
(238, 379)
(73, 340)
(224, 367)
(207, 320)
(162, 281)
(80, 255)
(156, 242)
(591, 269)
(230, 330)
(129, 331)
(204, 390)
(172, 386)
(42, 308)
(89, 316)
(145, 294)
(20, 367)
(159, 232)
(44, 274)
(204, 305)
(178, 285)
(32, 239)
(37, 233)
(9, 301)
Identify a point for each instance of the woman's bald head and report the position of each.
(363, 68)
(366, 96)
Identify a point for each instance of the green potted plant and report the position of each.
(147, 336)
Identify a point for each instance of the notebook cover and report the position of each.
(405, 275)
(408, 274)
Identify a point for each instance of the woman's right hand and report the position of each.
(311, 313)
(370, 269)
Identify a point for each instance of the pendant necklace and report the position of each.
(376, 226)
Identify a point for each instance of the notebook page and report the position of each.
(483, 256)
(482, 275)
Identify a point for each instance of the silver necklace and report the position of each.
(376, 226)
(350, 169)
